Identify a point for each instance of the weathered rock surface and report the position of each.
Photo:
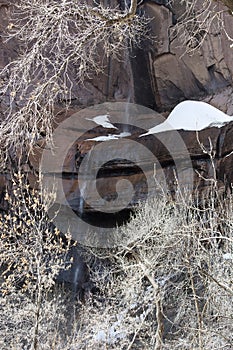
(222, 100)
(148, 163)
(178, 75)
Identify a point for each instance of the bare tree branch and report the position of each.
(61, 45)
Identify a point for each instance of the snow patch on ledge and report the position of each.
(192, 116)
(110, 137)
(103, 120)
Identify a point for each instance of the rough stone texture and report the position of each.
(169, 156)
(222, 100)
(175, 80)
(112, 173)
(180, 76)
(162, 21)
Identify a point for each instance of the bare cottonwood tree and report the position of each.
(61, 43)
(58, 40)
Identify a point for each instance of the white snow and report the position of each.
(101, 336)
(110, 137)
(228, 256)
(110, 336)
(103, 120)
(111, 333)
(192, 116)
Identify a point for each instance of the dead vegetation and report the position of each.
(168, 286)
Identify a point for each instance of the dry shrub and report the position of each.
(30, 245)
(168, 286)
(32, 253)
(171, 286)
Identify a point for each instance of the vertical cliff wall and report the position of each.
(173, 73)
(159, 73)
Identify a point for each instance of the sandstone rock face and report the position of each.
(178, 75)
(101, 181)
(222, 100)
